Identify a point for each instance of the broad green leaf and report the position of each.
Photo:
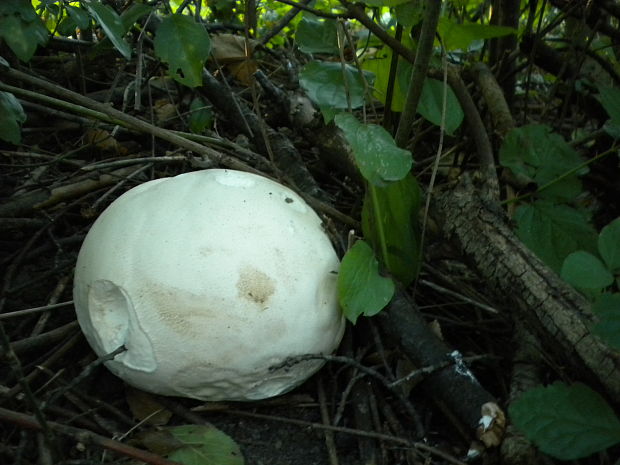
(361, 289)
(409, 13)
(200, 116)
(316, 35)
(205, 445)
(21, 28)
(457, 36)
(112, 25)
(609, 245)
(585, 271)
(607, 309)
(379, 65)
(11, 118)
(325, 86)
(79, 16)
(390, 223)
(610, 99)
(554, 231)
(133, 14)
(567, 422)
(387, 3)
(536, 152)
(376, 154)
(185, 46)
(431, 105)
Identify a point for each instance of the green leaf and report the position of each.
(460, 36)
(536, 152)
(205, 445)
(431, 105)
(185, 46)
(379, 66)
(585, 271)
(388, 3)
(316, 35)
(610, 100)
(607, 309)
(21, 28)
(79, 16)
(133, 14)
(408, 14)
(111, 24)
(567, 422)
(376, 154)
(361, 289)
(11, 118)
(324, 83)
(609, 245)
(554, 231)
(200, 116)
(389, 222)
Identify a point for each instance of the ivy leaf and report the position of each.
(389, 217)
(185, 46)
(585, 271)
(567, 422)
(361, 289)
(316, 35)
(536, 152)
(324, 83)
(112, 25)
(204, 445)
(607, 309)
(376, 154)
(609, 245)
(11, 118)
(553, 231)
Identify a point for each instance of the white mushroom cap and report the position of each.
(209, 279)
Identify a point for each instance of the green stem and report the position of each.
(432, 9)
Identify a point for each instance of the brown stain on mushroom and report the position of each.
(255, 286)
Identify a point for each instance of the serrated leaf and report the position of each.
(457, 36)
(585, 271)
(431, 105)
(200, 116)
(567, 422)
(607, 309)
(205, 445)
(553, 231)
(316, 35)
(389, 217)
(184, 45)
(324, 83)
(11, 118)
(376, 154)
(111, 24)
(609, 245)
(21, 28)
(361, 289)
(534, 151)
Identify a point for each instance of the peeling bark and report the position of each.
(551, 308)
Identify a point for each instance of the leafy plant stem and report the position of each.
(379, 225)
(420, 66)
(562, 176)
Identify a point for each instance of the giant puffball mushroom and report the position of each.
(211, 280)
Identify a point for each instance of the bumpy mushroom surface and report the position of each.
(209, 279)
